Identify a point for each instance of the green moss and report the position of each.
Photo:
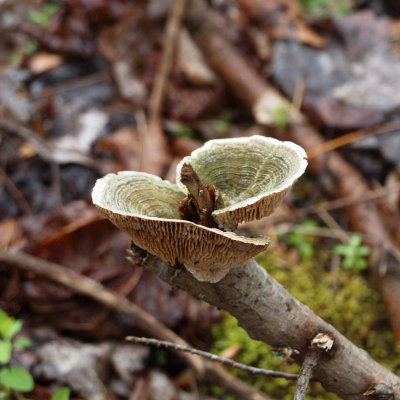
(341, 297)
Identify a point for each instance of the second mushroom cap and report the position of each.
(252, 174)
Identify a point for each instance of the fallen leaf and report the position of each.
(41, 62)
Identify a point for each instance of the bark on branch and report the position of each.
(268, 312)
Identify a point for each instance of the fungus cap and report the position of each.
(252, 174)
(146, 208)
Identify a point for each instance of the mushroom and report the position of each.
(252, 174)
(146, 208)
(247, 179)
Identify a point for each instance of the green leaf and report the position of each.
(183, 131)
(341, 249)
(355, 240)
(42, 17)
(5, 325)
(9, 326)
(14, 328)
(22, 342)
(224, 120)
(3, 316)
(4, 395)
(5, 351)
(30, 47)
(364, 251)
(281, 117)
(16, 378)
(61, 394)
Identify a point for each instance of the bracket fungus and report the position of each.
(250, 175)
(253, 174)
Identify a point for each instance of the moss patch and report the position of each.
(341, 297)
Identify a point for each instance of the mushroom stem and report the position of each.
(201, 195)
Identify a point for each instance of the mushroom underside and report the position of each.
(207, 253)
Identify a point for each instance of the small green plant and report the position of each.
(13, 380)
(28, 49)
(223, 122)
(42, 17)
(182, 130)
(281, 117)
(326, 8)
(354, 253)
(302, 240)
(61, 394)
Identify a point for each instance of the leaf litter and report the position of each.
(86, 92)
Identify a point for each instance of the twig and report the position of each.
(48, 151)
(370, 195)
(341, 234)
(72, 84)
(321, 342)
(298, 94)
(171, 36)
(81, 284)
(213, 357)
(200, 195)
(310, 361)
(286, 227)
(352, 200)
(142, 129)
(16, 193)
(352, 137)
(42, 147)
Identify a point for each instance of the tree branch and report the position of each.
(267, 311)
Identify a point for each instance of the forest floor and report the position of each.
(90, 87)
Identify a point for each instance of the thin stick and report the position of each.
(48, 151)
(298, 94)
(171, 36)
(321, 342)
(352, 137)
(351, 200)
(72, 84)
(336, 204)
(287, 227)
(310, 361)
(16, 193)
(42, 147)
(341, 234)
(213, 357)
